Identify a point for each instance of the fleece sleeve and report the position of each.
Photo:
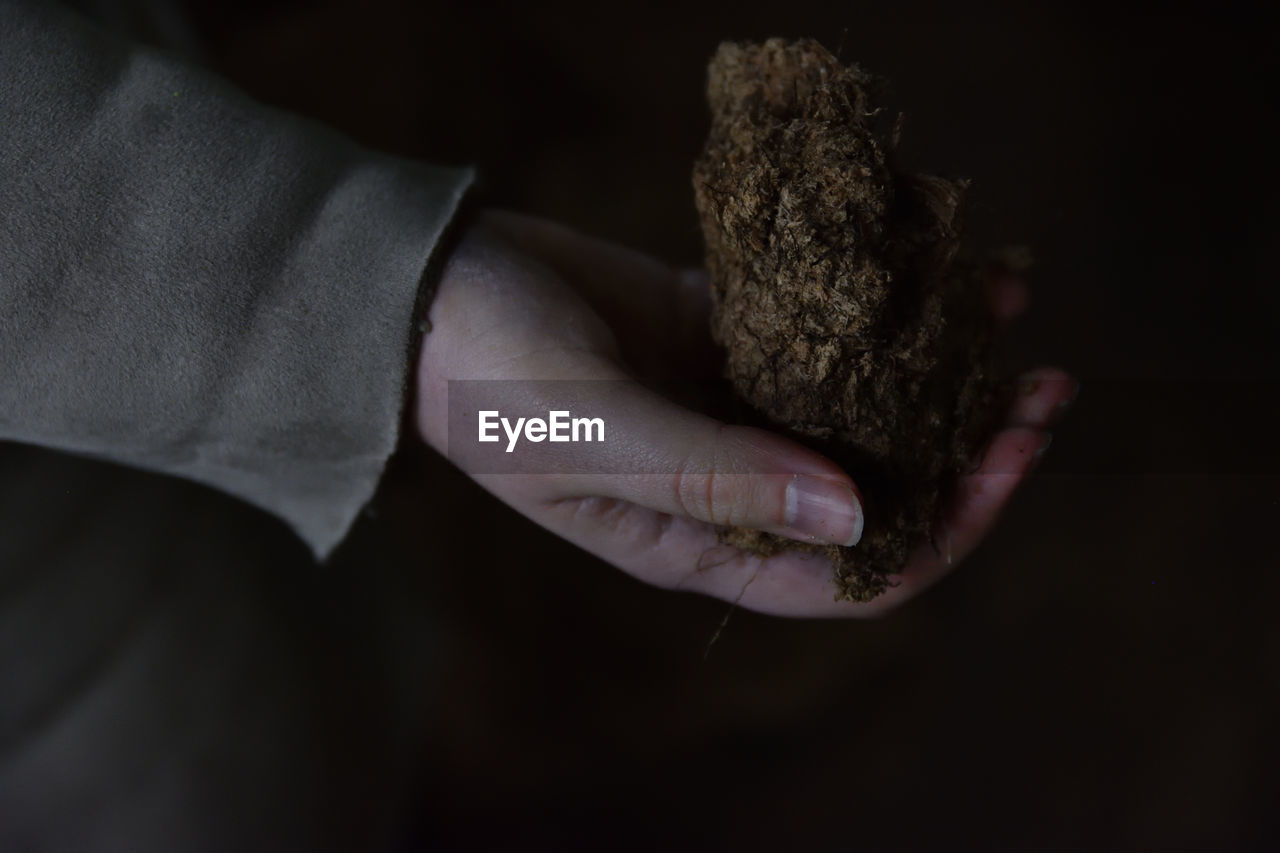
(198, 285)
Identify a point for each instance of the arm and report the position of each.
(198, 285)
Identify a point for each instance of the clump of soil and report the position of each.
(850, 315)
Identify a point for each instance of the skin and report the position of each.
(524, 298)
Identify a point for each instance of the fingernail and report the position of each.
(824, 509)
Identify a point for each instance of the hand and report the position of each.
(522, 298)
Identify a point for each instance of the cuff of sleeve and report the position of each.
(338, 340)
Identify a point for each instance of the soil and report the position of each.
(851, 315)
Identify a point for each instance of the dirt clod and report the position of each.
(850, 314)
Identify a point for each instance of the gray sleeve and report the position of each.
(198, 285)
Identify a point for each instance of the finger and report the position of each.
(973, 508)
(791, 583)
(745, 477)
(684, 554)
(665, 457)
(1041, 397)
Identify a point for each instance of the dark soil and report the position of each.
(851, 316)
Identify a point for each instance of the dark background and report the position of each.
(1103, 670)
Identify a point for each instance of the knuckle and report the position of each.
(706, 488)
(693, 490)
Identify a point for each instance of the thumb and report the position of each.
(677, 461)
(746, 477)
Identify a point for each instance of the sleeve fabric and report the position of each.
(198, 285)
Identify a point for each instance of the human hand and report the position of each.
(525, 299)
